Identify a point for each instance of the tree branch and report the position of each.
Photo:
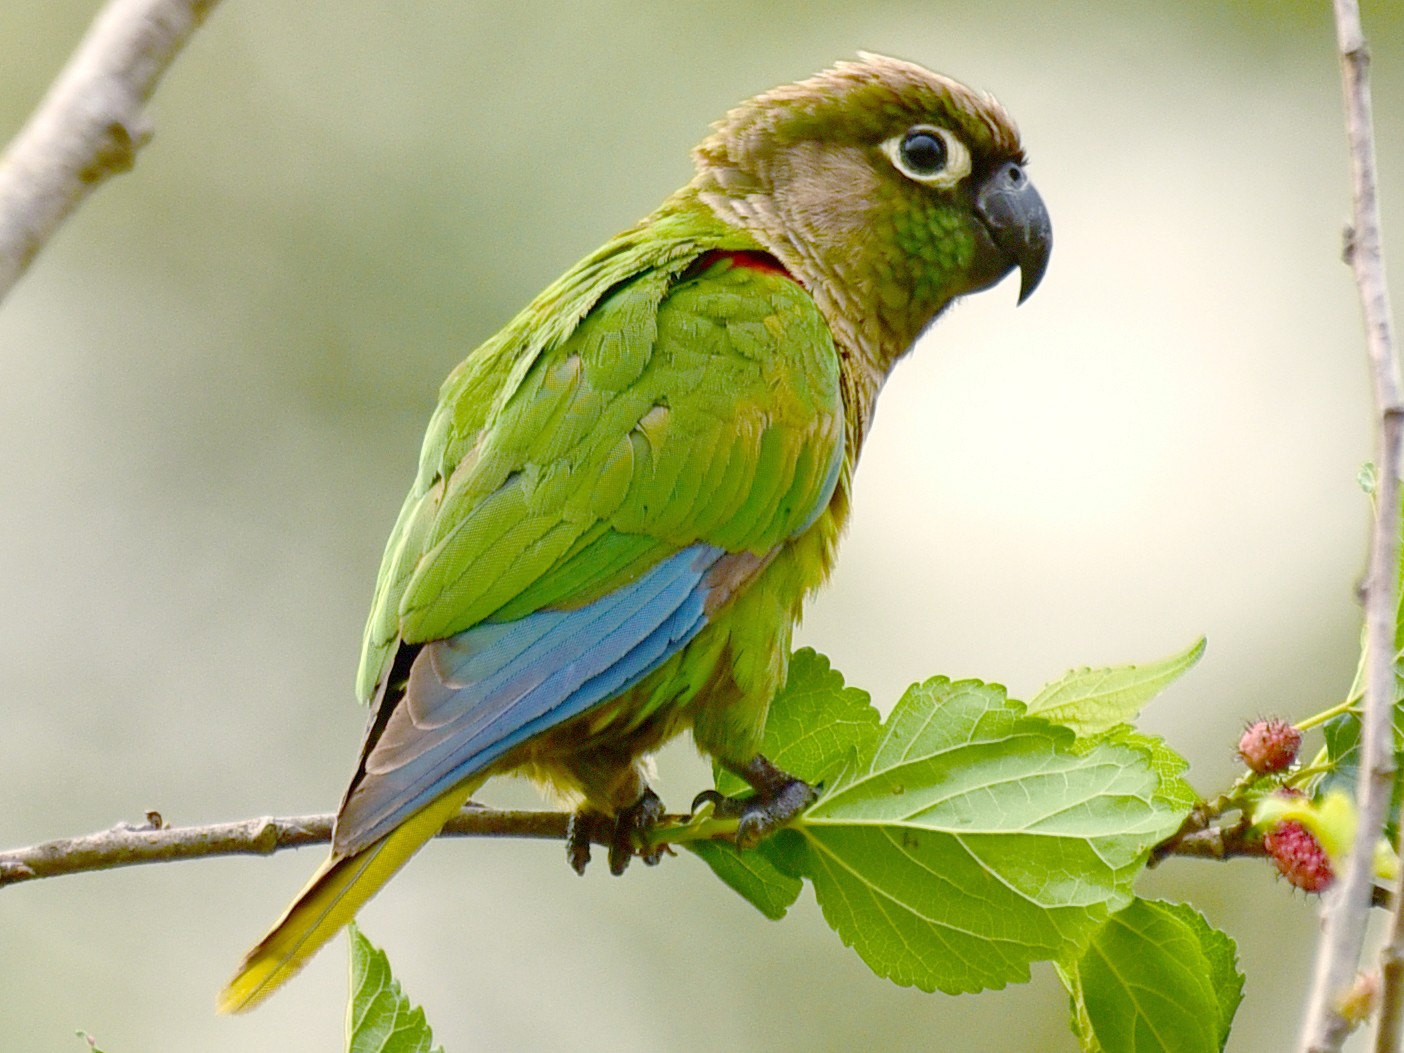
(1348, 905)
(154, 842)
(91, 123)
(1202, 836)
(127, 845)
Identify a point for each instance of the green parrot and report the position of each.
(625, 496)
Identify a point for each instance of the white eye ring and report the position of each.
(957, 160)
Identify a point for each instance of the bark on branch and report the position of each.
(91, 123)
(1348, 904)
(155, 842)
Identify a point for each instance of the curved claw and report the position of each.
(723, 807)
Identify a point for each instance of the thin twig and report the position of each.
(128, 845)
(155, 842)
(91, 123)
(1348, 905)
(125, 844)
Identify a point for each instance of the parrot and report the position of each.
(626, 495)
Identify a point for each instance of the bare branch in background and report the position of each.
(91, 123)
(1348, 905)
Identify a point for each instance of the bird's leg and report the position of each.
(779, 797)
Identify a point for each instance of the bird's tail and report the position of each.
(339, 888)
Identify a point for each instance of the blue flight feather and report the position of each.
(474, 696)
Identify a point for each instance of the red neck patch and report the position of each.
(752, 259)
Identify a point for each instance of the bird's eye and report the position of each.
(929, 155)
(923, 153)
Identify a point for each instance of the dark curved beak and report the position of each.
(1018, 224)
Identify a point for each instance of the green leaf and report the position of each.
(815, 728)
(752, 874)
(973, 839)
(1221, 955)
(1092, 700)
(1156, 977)
(1399, 585)
(1169, 767)
(1342, 735)
(816, 725)
(380, 1019)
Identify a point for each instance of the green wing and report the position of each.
(652, 399)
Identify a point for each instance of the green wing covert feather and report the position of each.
(681, 407)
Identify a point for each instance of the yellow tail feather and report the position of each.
(339, 888)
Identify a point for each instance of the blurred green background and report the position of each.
(214, 381)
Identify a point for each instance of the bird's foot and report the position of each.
(623, 833)
(779, 797)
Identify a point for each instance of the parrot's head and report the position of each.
(884, 188)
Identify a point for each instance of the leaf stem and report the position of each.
(1318, 719)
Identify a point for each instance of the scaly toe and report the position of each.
(764, 815)
(629, 827)
(580, 831)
